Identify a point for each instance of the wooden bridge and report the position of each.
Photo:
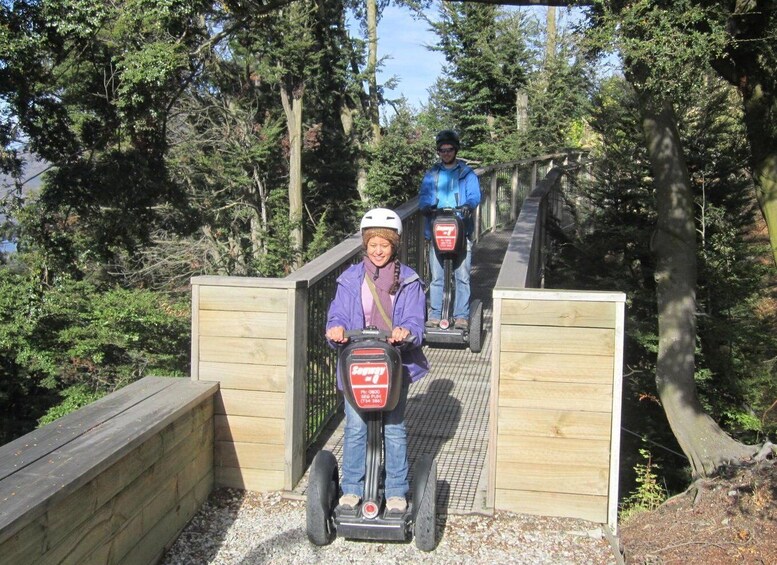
(116, 481)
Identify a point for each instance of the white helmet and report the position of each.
(381, 218)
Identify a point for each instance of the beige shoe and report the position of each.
(396, 504)
(432, 323)
(461, 324)
(349, 501)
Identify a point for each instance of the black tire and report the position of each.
(322, 496)
(476, 326)
(425, 503)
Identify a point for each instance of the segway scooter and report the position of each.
(371, 372)
(450, 242)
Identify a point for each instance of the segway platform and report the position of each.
(352, 524)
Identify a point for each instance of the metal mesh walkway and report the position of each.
(447, 411)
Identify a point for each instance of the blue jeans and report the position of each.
(462, 267)
(355, 450)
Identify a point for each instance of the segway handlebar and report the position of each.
(464, 210)
(368, 333)
(371, 333)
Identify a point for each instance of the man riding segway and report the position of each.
(451, 188)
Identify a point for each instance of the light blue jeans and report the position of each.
(355, 450)
(462, 268)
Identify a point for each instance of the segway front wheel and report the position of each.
(425, 503)
(322, 495)
(476, 326)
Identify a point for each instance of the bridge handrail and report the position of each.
(524, 261)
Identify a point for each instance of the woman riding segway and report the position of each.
(381, 293)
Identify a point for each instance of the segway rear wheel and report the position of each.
(425, 503)
(476, 326)
(322, 497)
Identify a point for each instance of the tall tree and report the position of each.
(89, 84)
(749, 62)
(485, 53)
(287, 54)
(740, 35)
(661, 61)
(734, 342)
(674, 245)
(494, 60)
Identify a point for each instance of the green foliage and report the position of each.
(399, 161)
(663, 44)
(89, 84)
(73, 398)
(68, 333)
(648, 494)
(492, 56)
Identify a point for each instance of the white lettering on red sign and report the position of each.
(373, 373)
(445, 236)
(369, 383)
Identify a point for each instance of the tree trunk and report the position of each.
(348, 114)
(705, 444)
(550, 39)
(347, 119)
(372, 68)
(761, 123)
(521, 110)
(292, 106)
(259, 217)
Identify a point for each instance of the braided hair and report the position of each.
(395, 287)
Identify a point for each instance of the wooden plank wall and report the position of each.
(116, 483)
(244, 337)
(556, 397)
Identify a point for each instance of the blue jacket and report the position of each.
(469, 193)
(346, 310)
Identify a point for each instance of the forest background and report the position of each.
(245, 137)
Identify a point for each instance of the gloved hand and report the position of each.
(428, 210)
(466, 211)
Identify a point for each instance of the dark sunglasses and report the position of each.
(449, 150)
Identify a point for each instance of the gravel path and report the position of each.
(237, 527)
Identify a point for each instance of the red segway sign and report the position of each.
(445, 235)
(370, 383)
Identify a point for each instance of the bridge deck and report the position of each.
(447, 411)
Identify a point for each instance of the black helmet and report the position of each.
(447, 136)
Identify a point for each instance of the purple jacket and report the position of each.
(409, 312)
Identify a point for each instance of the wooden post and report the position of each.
(493, 190)
(514, 195)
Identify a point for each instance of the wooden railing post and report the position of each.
(514, 195)
(494, 195)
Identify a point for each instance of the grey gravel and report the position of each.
(247, 528)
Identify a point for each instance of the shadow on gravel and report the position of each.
(223, 503)
(272, 549)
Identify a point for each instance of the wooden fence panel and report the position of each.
(556, 402)
(243, 337)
